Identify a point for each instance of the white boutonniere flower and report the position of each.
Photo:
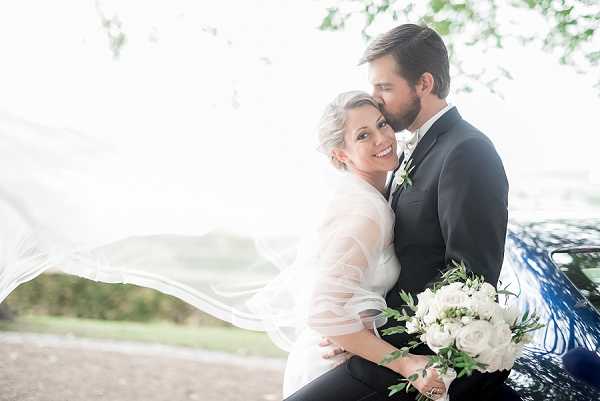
(402, 177)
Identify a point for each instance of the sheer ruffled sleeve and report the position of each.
(351, 243)
(329, 286)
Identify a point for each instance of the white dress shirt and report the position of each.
(411, 139)
(408, 141)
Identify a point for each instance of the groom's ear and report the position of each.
(425, 84)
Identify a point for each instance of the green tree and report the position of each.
(569, 29)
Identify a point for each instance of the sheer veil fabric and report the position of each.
(78, 205)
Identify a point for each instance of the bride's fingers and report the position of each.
(346, 356)
(333, 353)
(325, 342)
(435, 391)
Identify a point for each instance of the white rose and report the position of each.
(412, 326)
(498, 314)
(451, 296)
(466, 320)
(511, 314)
(488, 291)
(424, 300)
(502, 335)
(437, 338)
(492, 358)
(451, 321)
(475, 337)
(457, 285)
(483, 307)
(452, 328)
(432, 314)
(510, 354)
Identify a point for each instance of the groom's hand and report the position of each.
(332, 350)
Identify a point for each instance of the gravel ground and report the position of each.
(60, 368)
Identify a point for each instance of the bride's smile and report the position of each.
(363, 142)
(384, 153)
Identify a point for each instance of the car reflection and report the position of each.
(553, 267)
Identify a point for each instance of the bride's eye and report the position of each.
(362, 135)
(383, 124)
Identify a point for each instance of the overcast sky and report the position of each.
(226, 98)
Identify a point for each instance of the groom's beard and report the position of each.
(402, 121)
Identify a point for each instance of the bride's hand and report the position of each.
(334, 351)
(431, 386)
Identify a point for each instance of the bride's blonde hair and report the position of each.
(333, 122)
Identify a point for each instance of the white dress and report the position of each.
(54, 217)
(337, 284)
(304, 362)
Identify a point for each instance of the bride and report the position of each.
(334, 288)
(338, 284)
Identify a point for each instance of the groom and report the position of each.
(455, 208)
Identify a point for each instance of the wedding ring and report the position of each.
(434, 393)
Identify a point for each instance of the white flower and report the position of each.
(493, 358)
(511, 314)
(466, 320)
(412, 326)
(475, 337)
(431, 315)
(437, 338)
(498, 315)
(488, 291)
(457, 285)
(486, 309)
(510, 354)
(424, 300)
(402, 176)
(502, 335)
(450, 296)
(452, 328)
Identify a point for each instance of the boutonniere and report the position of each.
(402, 177)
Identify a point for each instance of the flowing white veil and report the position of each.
(75, 204)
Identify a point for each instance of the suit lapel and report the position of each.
(388, 189)
(440, 127)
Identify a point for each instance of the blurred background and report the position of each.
(235, 90)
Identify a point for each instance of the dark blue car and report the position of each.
(554, 267)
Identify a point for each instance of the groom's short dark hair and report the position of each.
(416, 49)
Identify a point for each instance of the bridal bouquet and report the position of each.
(461, 321)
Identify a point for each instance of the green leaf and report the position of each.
(443, 27)
(506, 292)
(396, 388)
(394, 330)
(327, 23)
(392, 313)
(408, 299)
(437, 5)
(392, 356)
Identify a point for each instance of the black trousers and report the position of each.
(360, 380)
(337, 385)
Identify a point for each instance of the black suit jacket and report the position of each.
(455, 209)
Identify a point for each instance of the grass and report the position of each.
(226, 339)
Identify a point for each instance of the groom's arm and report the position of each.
(472, 207)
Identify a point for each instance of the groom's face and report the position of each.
(401, 104)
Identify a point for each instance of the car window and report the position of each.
(582, 267)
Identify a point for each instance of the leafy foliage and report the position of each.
(570, 28)
(69, 296)
(449, 357)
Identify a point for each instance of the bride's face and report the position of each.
(369, 141)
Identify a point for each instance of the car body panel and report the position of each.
(570, 320)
